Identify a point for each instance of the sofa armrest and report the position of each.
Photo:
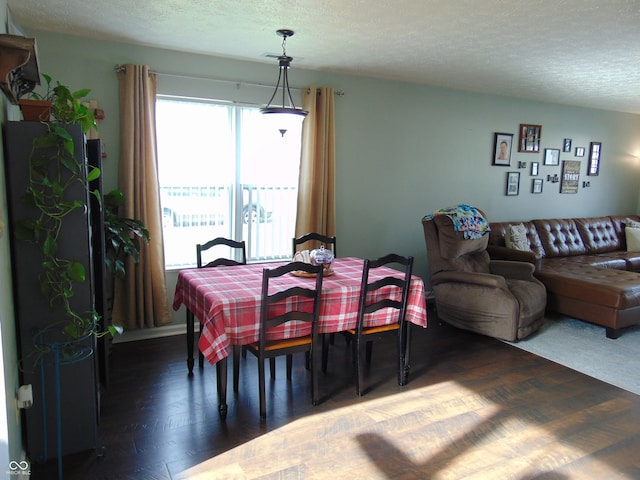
(473, 278)
(510, 269)
(503, 253)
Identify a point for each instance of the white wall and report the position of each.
(403, 150)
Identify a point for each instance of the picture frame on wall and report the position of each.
(579, 151)
(593, 167)
(513, 183)
(536, 185)
(535, 169)
(551, 156)
(570, 178)
(529, 138)
(502, 149)
(566, 145)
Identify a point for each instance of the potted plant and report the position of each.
(52, 171)
(60, 101)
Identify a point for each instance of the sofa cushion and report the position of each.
(598, 260)
(560, 237)
(599, 234)
(631, 259)
(612, 288)
(619, 222)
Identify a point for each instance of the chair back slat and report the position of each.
(374, 288)
(287, 299)
(239, 245)
(317, 237)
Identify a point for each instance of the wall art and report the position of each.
(551, 156)
(536, 185)
(593, 167)
(529, 138)
(570, 177)
(535, 169)
(513, 183)
(502, 149)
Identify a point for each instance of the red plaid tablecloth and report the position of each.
(227, 302)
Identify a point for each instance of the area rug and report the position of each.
(584, 347)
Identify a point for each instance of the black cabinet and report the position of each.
(78, 385)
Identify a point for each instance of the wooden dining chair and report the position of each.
(388, 292)
(320, 240)
(326, 241)
(239, 250)
(280, 307)
(237, 246)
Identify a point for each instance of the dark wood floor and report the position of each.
(474, 408)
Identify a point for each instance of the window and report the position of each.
(224, 172)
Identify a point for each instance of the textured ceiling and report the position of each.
(575, 52)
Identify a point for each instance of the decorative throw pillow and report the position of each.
(517, 238)
(631, 223)
(632, 235)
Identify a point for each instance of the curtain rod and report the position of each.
(122, 68)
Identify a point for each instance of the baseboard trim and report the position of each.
(148, 333)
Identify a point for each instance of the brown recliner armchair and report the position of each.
(497, 298)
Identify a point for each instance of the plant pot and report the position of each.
(35, 110)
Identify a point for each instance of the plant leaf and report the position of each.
(94, 174)
(75, 270)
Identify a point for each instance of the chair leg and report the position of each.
(236, 366)
(261, 387)
(359, 367)
(407, 352)
(314, 377)
(272, 367)
(289, 366)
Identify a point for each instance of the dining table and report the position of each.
(226, 301)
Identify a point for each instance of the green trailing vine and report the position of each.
(53, 170)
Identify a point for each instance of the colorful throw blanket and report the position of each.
(465, 219)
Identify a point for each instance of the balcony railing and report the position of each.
(262, 216)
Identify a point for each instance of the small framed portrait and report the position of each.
(566, 145)
(579, 151)
(535, 169)
(593, 167)
(536, 185)
(552, 156)
(513, 183)
(502, 149)
(529, 138)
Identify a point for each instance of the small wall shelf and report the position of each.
(19, 73)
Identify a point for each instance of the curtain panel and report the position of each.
(140, 299)
(316, 184)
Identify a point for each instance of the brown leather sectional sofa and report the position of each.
(584, 264)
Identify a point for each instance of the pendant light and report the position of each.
(285, 115)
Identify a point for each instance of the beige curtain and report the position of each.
(316, 186)
(140, 299)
